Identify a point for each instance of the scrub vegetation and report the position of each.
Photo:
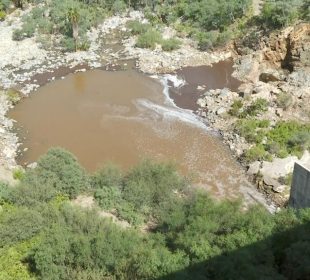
(211, 22)
(282, 139)
(44, 236)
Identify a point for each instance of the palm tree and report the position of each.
(73, 17)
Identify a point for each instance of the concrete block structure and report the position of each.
(300, 189)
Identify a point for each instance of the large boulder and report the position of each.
(247, 69)
(281, 167)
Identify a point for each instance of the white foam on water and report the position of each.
(171, 113)
(170, 110)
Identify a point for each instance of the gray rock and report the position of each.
(202, 102)
(221, 111)
(279, 189)
(32, 165)
(301, 77)
(254, 168)
(247, 69)
(271, 75)
(245, 90)
(279, 112)
(270, 181)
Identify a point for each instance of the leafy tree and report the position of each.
(73, 17)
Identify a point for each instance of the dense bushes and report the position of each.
(211, 22)
(43, 236)
(149, 37)
(57, 18)
(143, 193)
(285, 138)
(282, 139)
(4, 5)
(280, 13)
(60, 170)
(257, 107)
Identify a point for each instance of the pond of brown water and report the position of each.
(123, 117)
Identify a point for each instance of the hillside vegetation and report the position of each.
(43, 236)
(210, 22)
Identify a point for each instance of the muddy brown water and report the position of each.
(123, 117)
(218, 75)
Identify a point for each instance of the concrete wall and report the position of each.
(300, 190)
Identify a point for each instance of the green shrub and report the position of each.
(19, 224)
(292, 137)
(13, 96)
(68, 44)
(149, 39)
(2, 15)
(18, 35)
(5, 191)
(257, 107)
(257, 153)
(150, 184)
(27, 31)
(45, 26)
(109, 176)
(108, 197)
(118, 7)
(252, 130)
(299, 141)
(137, 28)
(280, 13)
(284, 100)
(223, 38)
(170, 44)
(129, 213)
(4, 5)
(61, 170)
(305, 10)
(32, 194)
(18, 174)
(206, 40)
(236, 108)
(83, 44)
(45, 41)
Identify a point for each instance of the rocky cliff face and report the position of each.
(287, 50)
(298, 47)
